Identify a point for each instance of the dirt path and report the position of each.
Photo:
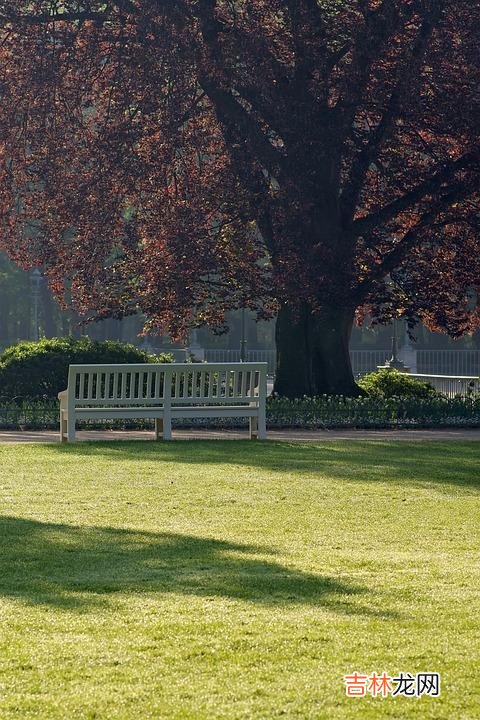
(49, 436)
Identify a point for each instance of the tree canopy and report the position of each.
(315, 158)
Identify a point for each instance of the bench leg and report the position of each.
(158, 428)
(258, 425)
(262, 427)
(167, 426)
(63, 427)
(71, 428)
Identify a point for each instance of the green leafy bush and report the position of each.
(392, 383)
(39, 370)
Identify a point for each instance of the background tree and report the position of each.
(315, 158)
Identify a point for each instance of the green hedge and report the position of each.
(374, 412)
(309, 413)
(38, 371)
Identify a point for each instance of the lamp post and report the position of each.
(395, 363)
(243, 339)
(35, 282)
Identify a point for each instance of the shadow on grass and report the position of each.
(76, 568)
(402, 462)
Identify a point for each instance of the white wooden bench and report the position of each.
(163, 392)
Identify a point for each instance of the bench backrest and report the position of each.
(167, 383)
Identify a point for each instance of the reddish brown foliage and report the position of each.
(187, 157)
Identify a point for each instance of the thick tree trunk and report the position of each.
(312, 353)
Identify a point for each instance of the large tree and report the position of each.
(312, 158)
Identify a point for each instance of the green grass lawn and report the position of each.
(236, 579)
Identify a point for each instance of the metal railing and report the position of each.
(449, 362)
(365, 361)
(451, 386)
(220, 356)
(459, 363)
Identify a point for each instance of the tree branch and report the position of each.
(427, 187)
(394, 107)
(392, 259)
(242, 127)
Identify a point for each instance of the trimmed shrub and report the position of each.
(387, 383)
(373, 412)
(38, 371)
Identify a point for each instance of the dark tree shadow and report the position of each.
(81, 567)
(402, 462)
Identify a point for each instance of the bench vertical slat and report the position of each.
(115, 386)
(81, 388)
(243, 384)
(163, 384)
(203, 375)
(89, 385)
(251, 384)
(121, 389)
(167, 402)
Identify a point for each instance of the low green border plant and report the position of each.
(311, 413)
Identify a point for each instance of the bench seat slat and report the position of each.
(105, 413)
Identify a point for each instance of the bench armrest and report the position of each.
(63, 396)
